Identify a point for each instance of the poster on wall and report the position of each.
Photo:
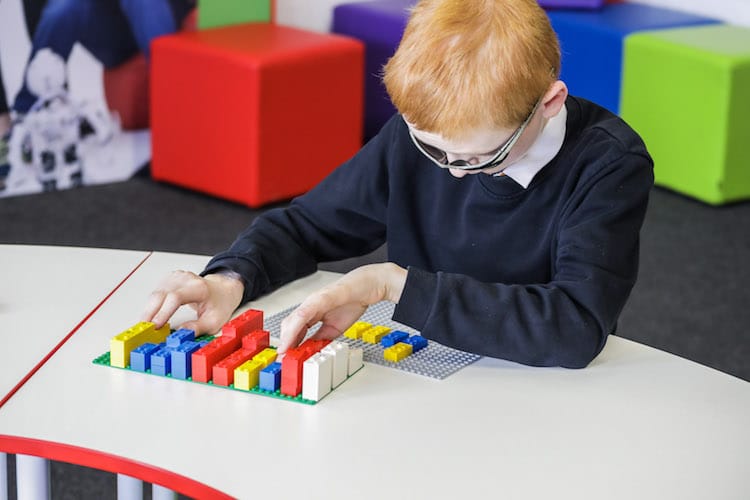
(74, 89)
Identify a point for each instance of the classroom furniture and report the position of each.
(215, 13)
(254, 113)
(687, 93)
(572, 4)
(637, 423)
(66, 283)
(379, 25)
(69, 294)
(126, 86)
(592, 41)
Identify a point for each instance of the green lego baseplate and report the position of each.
(104, 361)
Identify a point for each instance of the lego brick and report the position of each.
(246, 375)
(261, 374)
(204, 359)
(140, 357)
(375, 334)
(270, 377)
(161, 360)
(122, 344)
(699, 145)
(394, 338)
(256, 340)
(179, 336)
(339, 353)
(316, 345)
(291, 366)
(397, 352)
(223, 370)
(592, 43)
(181, 359)
(213, 13)
(257, 69)
(317, 374)
(266, 356)
(249, 321)
(354, 332)
(417, 342)
(356, 360)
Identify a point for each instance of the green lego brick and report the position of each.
(687, 92)
(214, 13)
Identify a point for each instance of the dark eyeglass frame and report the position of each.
(440, 157)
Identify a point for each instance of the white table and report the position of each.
(45, 292)
(638, 423)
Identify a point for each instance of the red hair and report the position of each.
(466, 64)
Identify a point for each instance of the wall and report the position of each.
(730, 11)
(316, 14)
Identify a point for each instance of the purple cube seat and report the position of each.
(379, 25)
(572, 4)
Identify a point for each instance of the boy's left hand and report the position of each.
(339, 305)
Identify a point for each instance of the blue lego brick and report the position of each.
(417, 342)
(393, 338)
(181, 364)
(140, 357)
(269, 378)
(180, 336)
(161, 360)
(592, 44)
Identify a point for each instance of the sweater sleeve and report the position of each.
(342, 217)
(566, 321)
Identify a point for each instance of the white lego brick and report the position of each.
(339, 351)
(356, 359)
(317, 373)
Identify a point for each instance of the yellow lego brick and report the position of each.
(355, 331)
(122, 344)
(375, 334)
(266, 356)
(246, 375)
(397, 352)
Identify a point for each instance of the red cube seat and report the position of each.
(254, 113)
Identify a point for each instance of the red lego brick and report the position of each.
(255, 89)
(207, 356)
(291, 365)
(257, 340)
(223, 371)
(247, 322)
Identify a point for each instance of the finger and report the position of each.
(169, 306)
(194, 291)
(293, 330)
(154, 303)
(210, 322)
(173, 281)
(327, 332)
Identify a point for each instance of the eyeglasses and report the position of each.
(440, 157)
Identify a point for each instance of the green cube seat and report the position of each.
(215, 13)
(687, 92)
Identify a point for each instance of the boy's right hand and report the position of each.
(214, 297)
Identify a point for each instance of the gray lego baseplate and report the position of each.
(434, 361)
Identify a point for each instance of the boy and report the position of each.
(511, 210)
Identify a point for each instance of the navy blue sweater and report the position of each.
(536, 275)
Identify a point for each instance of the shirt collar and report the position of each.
(540, 153)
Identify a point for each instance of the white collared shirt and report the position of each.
(546, 146)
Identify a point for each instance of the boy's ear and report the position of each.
(554, 99)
